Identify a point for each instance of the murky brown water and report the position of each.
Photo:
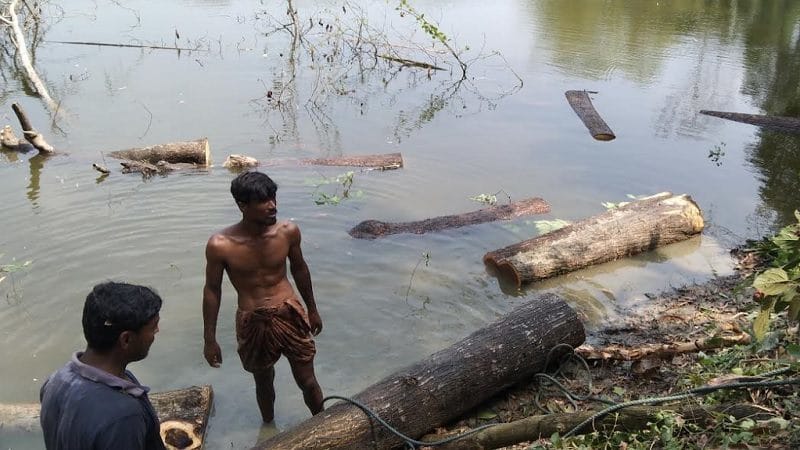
(654, 65)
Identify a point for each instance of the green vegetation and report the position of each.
(11, 268)
(343, 182)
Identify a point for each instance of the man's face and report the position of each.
(140, 341)
(261, 212)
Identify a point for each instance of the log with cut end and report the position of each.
(371, 229)
(191, 152)
(786, 124)
(582, 104)
(636, 227)
(183, 414)
(445, 385)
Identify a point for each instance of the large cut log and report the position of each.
(183, 414)
(447, 384)
(386, 161)
(371, 229)
(787, 124)
(191, 152)
(636, 227)
(582, 104)
(631, 419)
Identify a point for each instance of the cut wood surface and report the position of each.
(622, 353)
(636, 227)
(190, 152)
(445, 385)
(582, 104)
(371, 229)
(787, 124)
(631, 419)
(183, 414)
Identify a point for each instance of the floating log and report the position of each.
(388, 161)
(183, 414)
(582, 104)
(447, 384)
(636, 227)
(631, 419)
(786, 124)
(9, 141)
(30, 133)
(191, 152)
(371, 229)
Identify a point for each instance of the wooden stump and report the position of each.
(183, 414)
(582, 104)
(371, 229)
(191, 152)
(447, 384)
(786, 124)
(639, 226)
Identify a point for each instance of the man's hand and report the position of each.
(213, 354)
(315, 322)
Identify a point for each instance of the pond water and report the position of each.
(505, 129)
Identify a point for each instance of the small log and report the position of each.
(388, 161)
(30, 133)
(239, 162)
(411, 62)
(9, 141)
(145, 168)
(631, 419)
(102, 169)
(445, 385)
(582, 104)
(191, 152)
(785, 124)
(639, 226)
(371, 229)
(662, 351)
(183, 414)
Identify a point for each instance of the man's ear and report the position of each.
(241, 206)
(124, 339)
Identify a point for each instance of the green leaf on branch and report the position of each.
(773, 281)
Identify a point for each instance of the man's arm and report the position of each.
(302, 278)
(127, 433)
(212, 296)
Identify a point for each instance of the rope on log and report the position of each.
(582, 104)
(780, 123)
(371, 229)
(639, 226)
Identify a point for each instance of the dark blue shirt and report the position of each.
(86, 408)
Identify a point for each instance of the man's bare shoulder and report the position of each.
(289, 229)
(224, 237)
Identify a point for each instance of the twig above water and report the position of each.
(112, 44)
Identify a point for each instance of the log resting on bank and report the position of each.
(447, 384)
(631, 419)
(190, 152)
(387, 161)
(582, 104)
(371, 229)
(786, 124)
(636, 227)
(183, 414)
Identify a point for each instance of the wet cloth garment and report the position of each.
(266, 333)
(84, 407)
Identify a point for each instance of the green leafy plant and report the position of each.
(345, 181)
(778, 287)
(489, 199)
(432, 30)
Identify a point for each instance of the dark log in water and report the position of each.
(785, 124)
(371, 229)
(639, 226)
(582, 104)
(447, 384)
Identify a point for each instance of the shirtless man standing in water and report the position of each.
(270, 320)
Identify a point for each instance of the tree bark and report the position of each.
(191, 152)
(445, 385)
(30, 133)
(388, 161)
(582, 104)
(183, 414)
(371, 229)
(786, 124)
(636, 227)
(663, 351)
(631, 419)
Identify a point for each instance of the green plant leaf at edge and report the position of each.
(773, 281)
(761, 324)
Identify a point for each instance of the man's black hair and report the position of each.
(253, 186)
(112, 308)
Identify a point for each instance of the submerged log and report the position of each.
(445, 385)
(639, 226)
(582, 104)
(631, 419)
(371, 229)
(183, 414)
(786, 124)
(191, 152)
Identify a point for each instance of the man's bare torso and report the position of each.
(256, 265)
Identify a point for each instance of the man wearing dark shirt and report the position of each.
(94, 402)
